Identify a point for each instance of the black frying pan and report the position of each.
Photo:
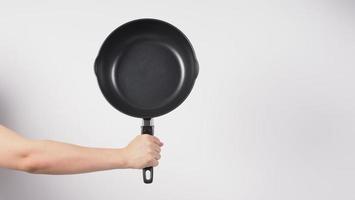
(146, 68)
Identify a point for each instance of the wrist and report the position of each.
(121, 160)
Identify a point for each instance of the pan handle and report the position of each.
(148, 128)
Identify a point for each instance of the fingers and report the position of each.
(154, 143)
(157, 156)
(157, 141)
(153, 160)
(153, 139)
(143, 151)
(153, 149)
(154, 156)
(153, 163)
(157, 149)
(156, 163)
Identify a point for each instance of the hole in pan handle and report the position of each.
(148, 128)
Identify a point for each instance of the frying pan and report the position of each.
(146, 68)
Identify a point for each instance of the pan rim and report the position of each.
(139, 112)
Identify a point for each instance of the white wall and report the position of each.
(272, 114)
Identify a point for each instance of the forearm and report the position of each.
(50, 157)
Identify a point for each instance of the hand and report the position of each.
(143, 151)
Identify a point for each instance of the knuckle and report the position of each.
(151, 157)
(148, 160)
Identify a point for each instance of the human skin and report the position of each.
(52, 157)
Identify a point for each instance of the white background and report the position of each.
(272, 114)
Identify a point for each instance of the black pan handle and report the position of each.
(147, 128)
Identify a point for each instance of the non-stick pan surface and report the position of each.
(146, 68)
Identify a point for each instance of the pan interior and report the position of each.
(148, 74)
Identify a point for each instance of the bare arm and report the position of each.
(50, 157)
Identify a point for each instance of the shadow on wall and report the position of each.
(16, 185)
(5, 114)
